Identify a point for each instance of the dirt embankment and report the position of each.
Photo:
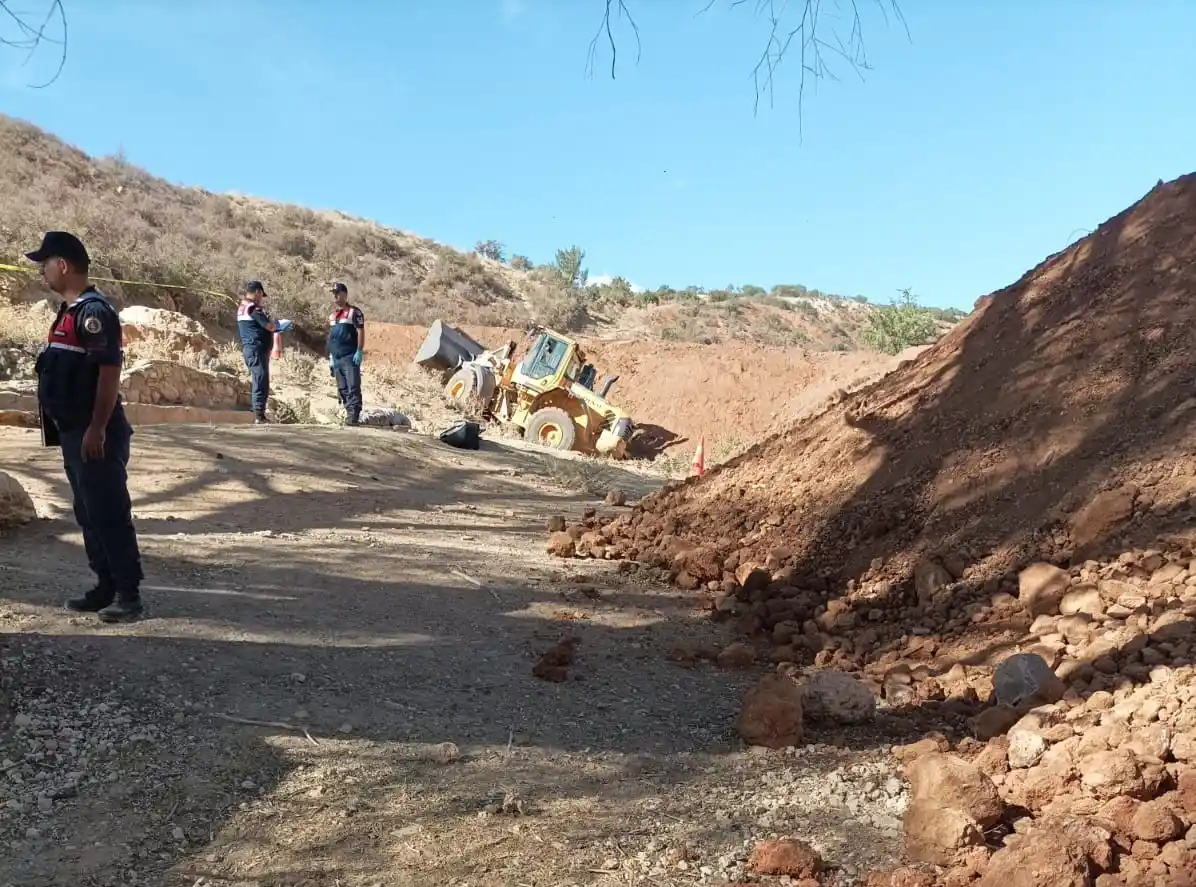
(731, 392)
(1002, 533)
(1075, 379)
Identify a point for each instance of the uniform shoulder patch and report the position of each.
(92, 324)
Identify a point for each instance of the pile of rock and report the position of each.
(1081, 764)
(167, 383)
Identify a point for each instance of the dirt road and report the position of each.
(327, 581)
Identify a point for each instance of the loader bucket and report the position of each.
(446, 347)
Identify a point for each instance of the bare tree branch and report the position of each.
(816, 27)
(619, 7)
(18, 31)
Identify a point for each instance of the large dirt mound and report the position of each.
(1076, 379)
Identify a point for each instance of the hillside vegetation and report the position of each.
(142, 228)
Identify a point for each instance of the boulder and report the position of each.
(1102, 517)
(930, 577)
(562, 544)
(772, 713)
(1156, 821)
(951, 782)
(836, 697)
(165, 382)
(936, 834)
(16, 506)
(1107, 774)
(1026, 679)
(1041, 588)
(18, 419)
(171, 334)
(1038, 859)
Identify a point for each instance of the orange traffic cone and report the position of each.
(277, 352)
(699, 464)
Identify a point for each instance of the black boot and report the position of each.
(92, 602)
(259, 419)
(126, 608)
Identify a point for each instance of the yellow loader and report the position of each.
(548, 395)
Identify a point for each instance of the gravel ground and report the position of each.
(380, 614)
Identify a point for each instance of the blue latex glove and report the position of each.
(282, 326)
(358, 357)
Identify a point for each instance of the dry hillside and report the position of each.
(143, 228)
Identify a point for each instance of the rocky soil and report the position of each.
(997, 537)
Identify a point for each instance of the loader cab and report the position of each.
(546, 360)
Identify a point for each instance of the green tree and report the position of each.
(900, 325)
(569, 267)
(489, 249)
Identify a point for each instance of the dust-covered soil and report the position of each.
(377, 602)
(728, 393)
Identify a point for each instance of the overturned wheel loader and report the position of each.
(548, 394)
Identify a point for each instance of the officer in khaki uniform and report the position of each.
(78, 392)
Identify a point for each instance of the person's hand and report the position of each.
(93, 443)
(331, 362)
(358, 357)
(282, 325)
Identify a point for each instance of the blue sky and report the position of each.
(993, 136)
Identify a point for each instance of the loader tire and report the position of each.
(462, 385)
(551, 427)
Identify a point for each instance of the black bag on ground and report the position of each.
(463, 435)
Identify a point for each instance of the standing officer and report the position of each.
(257, 338)
(346, 349)
(78, 392)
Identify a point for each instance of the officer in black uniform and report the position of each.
(78, 391)
(346, 350)
(257, 338)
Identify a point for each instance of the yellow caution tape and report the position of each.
(170, 286)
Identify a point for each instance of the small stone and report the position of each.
(178, 834)
(556, 524)
(45, 804)
(786, 856)
(738, 655)
(1026, 748)
(616, 498)
(345, 728)
(22, 720)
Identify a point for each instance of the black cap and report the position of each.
(255, 286)
(60, 245)
(340, 288)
